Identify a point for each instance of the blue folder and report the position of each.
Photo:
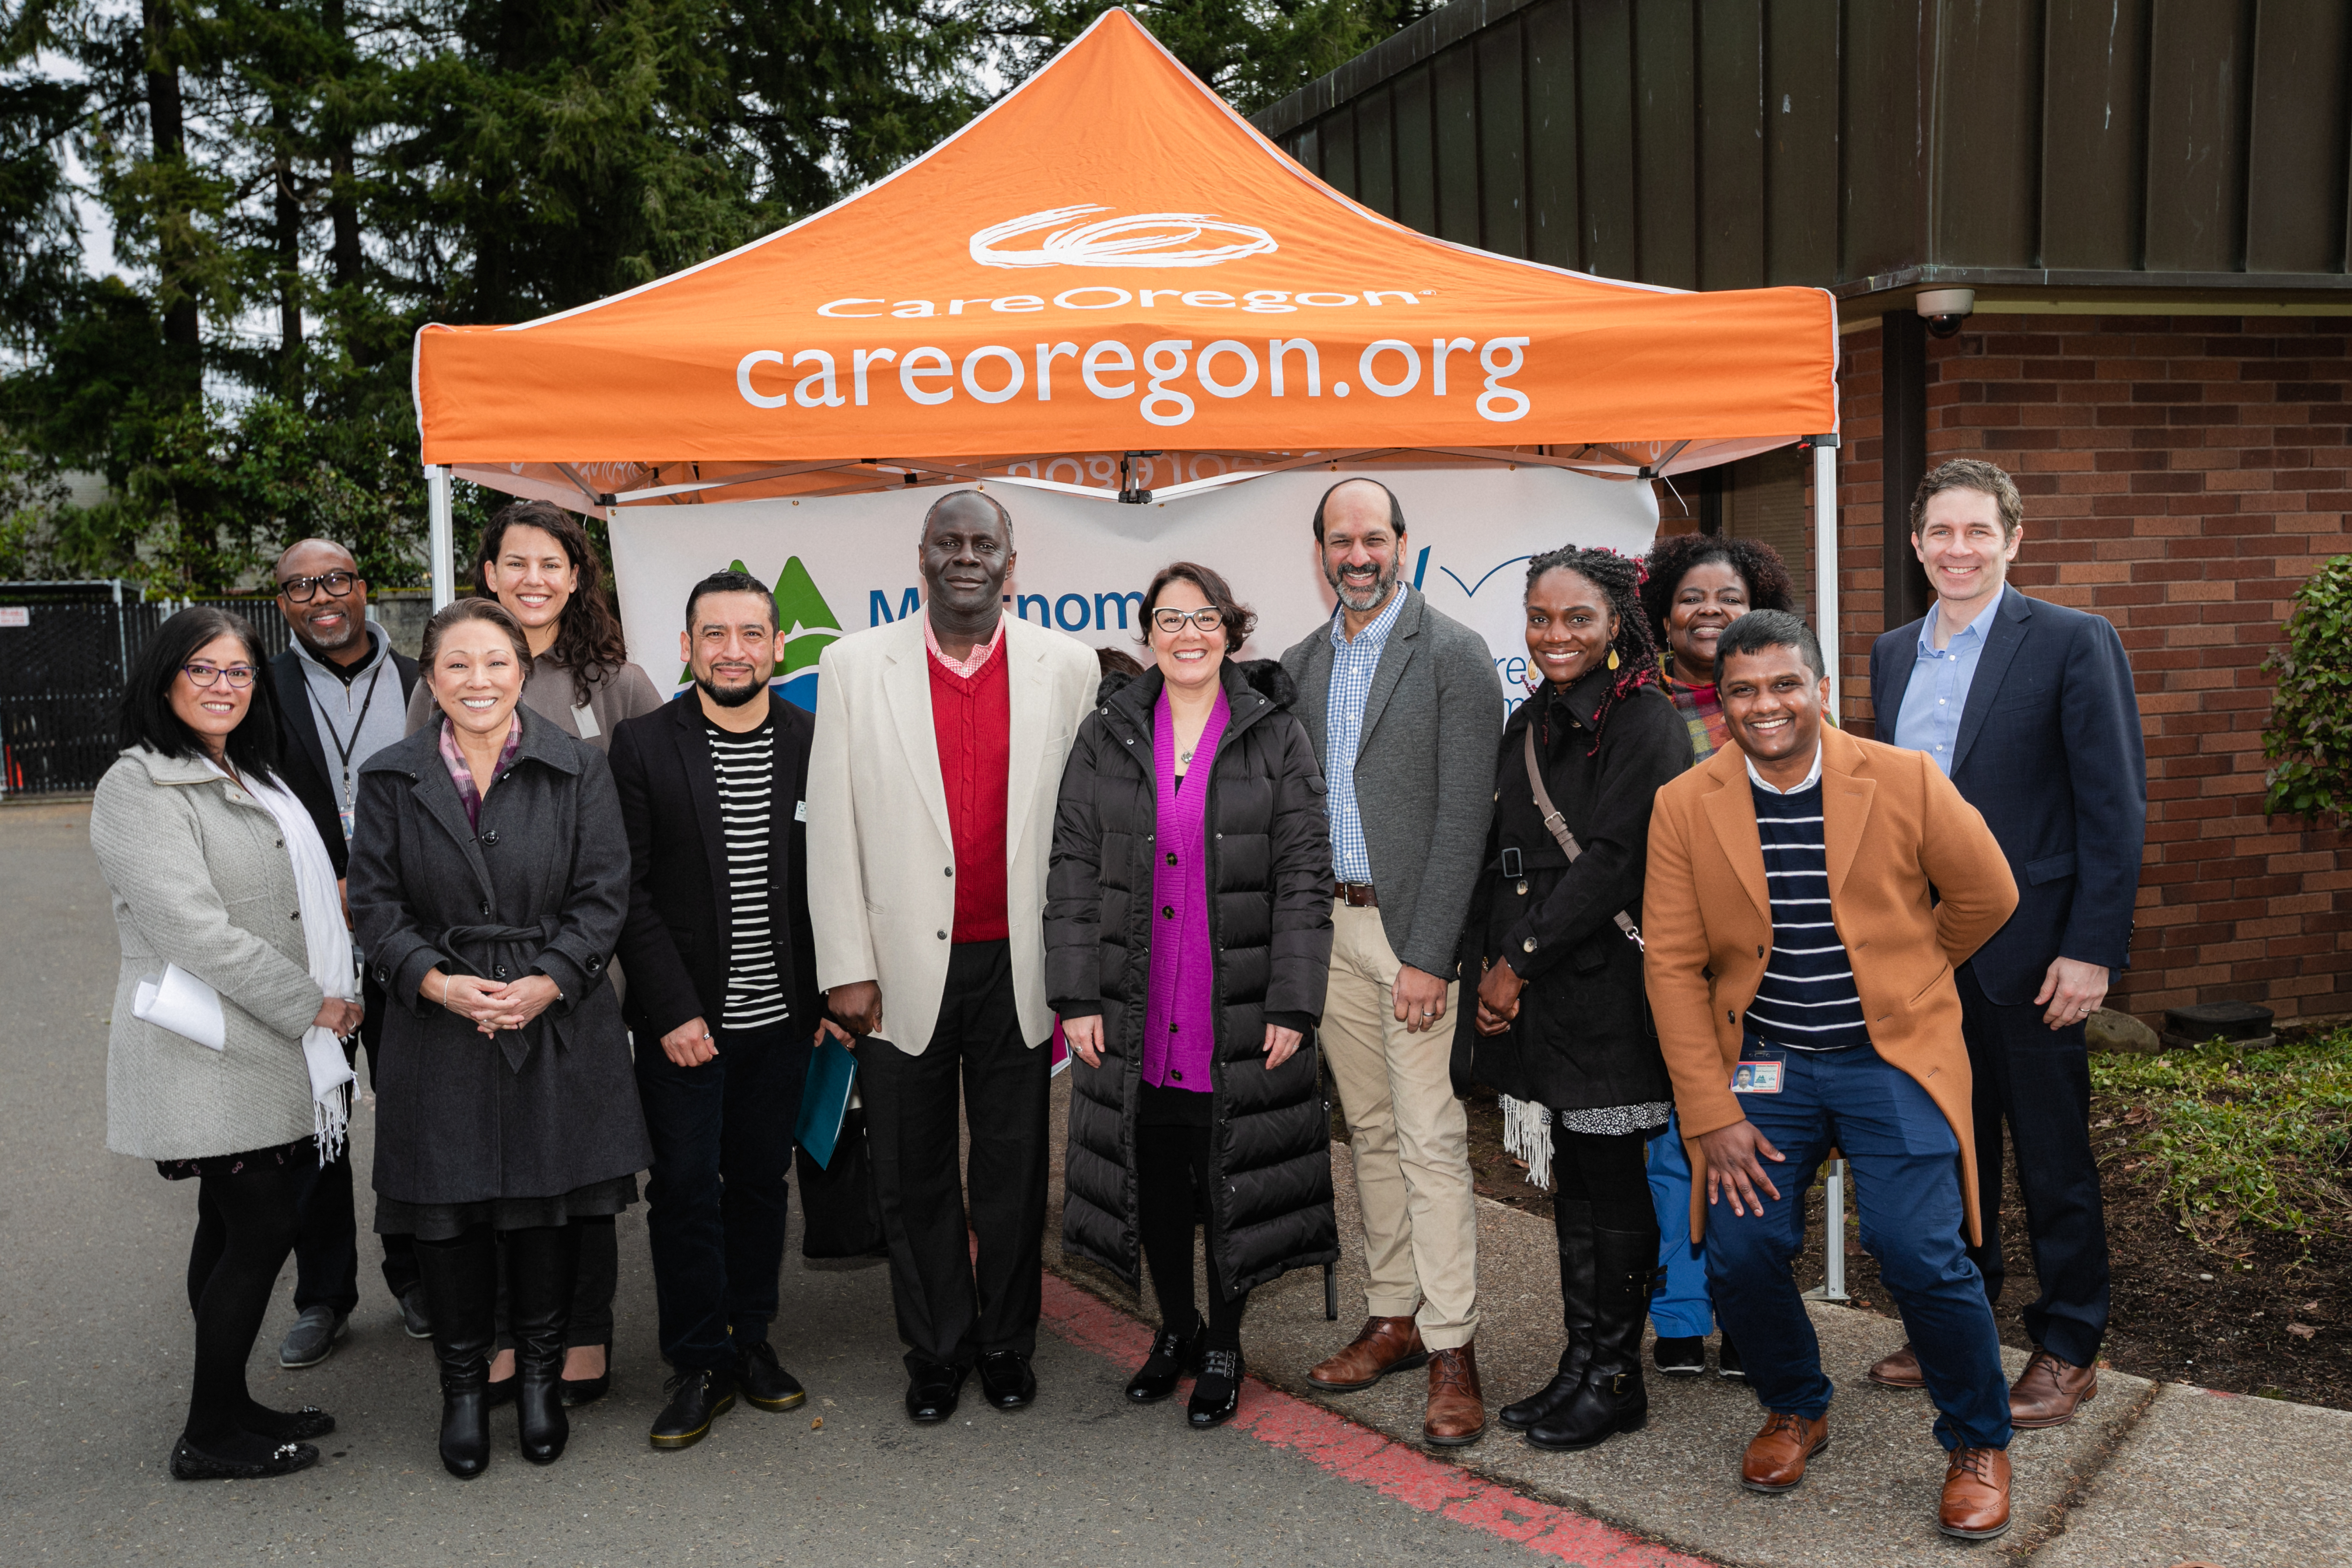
(825, 1099)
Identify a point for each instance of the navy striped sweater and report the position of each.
(1806, 999)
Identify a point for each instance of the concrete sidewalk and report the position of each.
(2148, 1475)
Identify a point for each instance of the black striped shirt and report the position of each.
(1807, 1000)
(746, 769)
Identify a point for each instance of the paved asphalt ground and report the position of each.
(93, 1383)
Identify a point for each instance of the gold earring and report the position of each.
(1612, 659)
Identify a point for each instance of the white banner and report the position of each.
(844, 563)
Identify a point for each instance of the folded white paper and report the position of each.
(178, 1000)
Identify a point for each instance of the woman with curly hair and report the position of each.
(1561, 1029)
(1698, 585)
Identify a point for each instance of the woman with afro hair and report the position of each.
(1561, 1029)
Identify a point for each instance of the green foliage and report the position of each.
(2309, 739)
(2262, 1138)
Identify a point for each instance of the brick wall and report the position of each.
(2182, 475)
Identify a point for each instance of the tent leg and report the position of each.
(1825, 563)
(441, 537)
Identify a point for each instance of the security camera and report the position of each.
(1946, 309)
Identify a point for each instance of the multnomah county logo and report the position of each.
(1143, 240)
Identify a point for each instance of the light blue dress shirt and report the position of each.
(1930, 719)
(1352, 666)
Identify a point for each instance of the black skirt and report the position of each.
(447, 1222)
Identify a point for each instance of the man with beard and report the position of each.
(723, 996)
(343, 695)
(1402, 707)
(937, 763)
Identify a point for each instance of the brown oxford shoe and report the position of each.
(1976, 1494)
(1900, 1370)
(1776, 1456)
(1457, 1407)
(1381, 1346)
(2047, 1392)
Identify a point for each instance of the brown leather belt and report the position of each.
(1356, 895)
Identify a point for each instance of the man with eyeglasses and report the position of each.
(342, 696)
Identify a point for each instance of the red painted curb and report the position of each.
(1359, 1454)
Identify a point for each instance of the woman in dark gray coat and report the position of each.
(489, 883)
(1188, 935)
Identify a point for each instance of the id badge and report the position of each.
(1756, 1077)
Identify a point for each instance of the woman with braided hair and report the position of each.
(1562, 1030)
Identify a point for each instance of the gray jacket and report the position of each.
(1424, 769)
(203, 879)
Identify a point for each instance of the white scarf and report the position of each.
(329, 942)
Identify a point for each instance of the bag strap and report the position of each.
(1557, 826)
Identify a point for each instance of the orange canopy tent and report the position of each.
(1108, 282)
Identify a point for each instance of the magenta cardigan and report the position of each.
(1180, 1016)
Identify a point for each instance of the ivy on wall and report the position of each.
(2309, 739)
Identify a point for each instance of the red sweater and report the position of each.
(971, 721)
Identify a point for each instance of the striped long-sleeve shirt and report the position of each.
(1806, 999)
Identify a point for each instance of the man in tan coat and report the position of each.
(1808, 895)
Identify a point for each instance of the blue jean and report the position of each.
(1905, 1163)
(715, 1202)
(1681, 1308)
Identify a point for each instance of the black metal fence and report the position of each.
(65, 648)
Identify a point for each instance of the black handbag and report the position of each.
(841, 1216)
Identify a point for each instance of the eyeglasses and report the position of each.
(1207, 618)
(301, 589)
(240, 676)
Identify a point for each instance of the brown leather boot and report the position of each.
(1900, 1370)
(1457, 1407)
(1381, 1346)
(1976, 1494)
(1776, 1456)
(2046, 1392)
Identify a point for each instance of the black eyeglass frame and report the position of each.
(1218, 618)
(302, 590)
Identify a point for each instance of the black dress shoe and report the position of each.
(931, 1392)
(1727, 1359)
(1005, 1380)
(190, 1463)
(579, 1391)
(1683, 1355)
(497, 1392)
(763, 1379)
(286, 1425)
(414, 1318)
(1172, 1356)
(1217, 1392)
(312, 1337)
(696, 1399)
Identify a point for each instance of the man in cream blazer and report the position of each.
(932, 785)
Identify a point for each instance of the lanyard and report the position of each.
(343, 748)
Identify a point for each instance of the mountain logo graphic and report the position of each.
(805, 628)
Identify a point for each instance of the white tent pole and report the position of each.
(441, 537)
(1825, 561)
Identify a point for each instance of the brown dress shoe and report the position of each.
(1457, 1408)
(1776, 1456)
(1976, 1494)
(1381, 1346)
(1900, 1370)
(2046, 1392)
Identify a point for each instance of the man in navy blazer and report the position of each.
(2028, 708)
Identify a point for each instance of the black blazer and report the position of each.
(674, 944)
(303, 756)
(2049, 752)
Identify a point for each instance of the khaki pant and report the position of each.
(1410, 1136)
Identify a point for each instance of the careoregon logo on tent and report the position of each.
(805, 628)
(1144, 239)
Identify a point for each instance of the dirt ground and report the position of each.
(2232, 1318)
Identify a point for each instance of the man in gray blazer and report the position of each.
(1403, 709)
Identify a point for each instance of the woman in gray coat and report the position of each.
(488, 882)
(207, 855)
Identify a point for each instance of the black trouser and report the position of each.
(244, 1227)
(326, 1247)
(715, 1206)
(2038, 1079)
(953, 1308)
(1171, 1185)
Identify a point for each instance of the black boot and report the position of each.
(460, 1280)
(1611, 1399)
(1573, 1218)
(541, 1263)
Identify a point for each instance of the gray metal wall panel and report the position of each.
(1552, 153)
(1985, 204)
(1800, 140)
(1888, 52)
(2197, 113)
(2295, 146)
(1503, 139)
(1376, 151)
(2094, 133)
(1416, 163)
(1730, 158)
(1605, 99)
(1665, 151)
(1454, 113)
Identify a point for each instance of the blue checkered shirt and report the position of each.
(1352, 664)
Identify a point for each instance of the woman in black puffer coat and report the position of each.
(1169, 969)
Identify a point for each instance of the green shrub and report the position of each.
(2309, 741)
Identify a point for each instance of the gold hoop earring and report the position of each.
(1612, 659)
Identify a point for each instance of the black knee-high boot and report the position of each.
(541, 1263)
(461, 1286)
(1610, 1399)
(1572, 1219)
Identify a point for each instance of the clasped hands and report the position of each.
(1085, 1039)
(490, 1005)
